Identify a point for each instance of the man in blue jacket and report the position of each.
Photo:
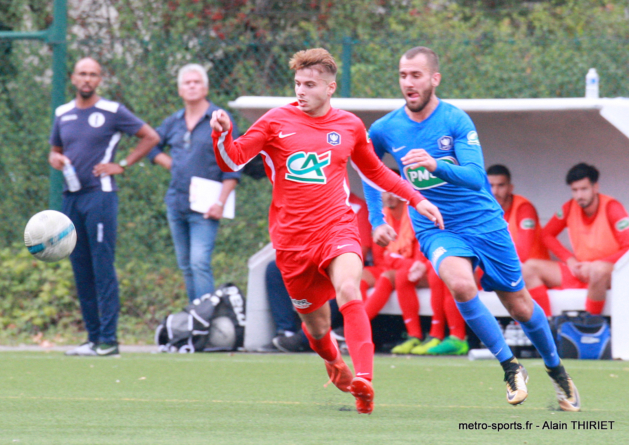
(188, 134)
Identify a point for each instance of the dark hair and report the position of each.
(395, 170)
(582, 171)
(499, 170)
(431, 56)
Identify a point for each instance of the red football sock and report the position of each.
(456, 323)
(594, 307)
(378, 297)
(437, 328)
(325, 347)
(409, 303)
(540, 295)
(358, 338)
(364, 287)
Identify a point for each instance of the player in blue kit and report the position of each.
(437, 148)
(85, 134)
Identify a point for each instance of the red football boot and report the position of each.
(339, 373)
(362, 389)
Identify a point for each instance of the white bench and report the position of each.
(261, 329)
(560, 300)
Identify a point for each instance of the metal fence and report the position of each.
(141, 74)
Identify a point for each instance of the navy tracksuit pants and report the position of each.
(95, 217)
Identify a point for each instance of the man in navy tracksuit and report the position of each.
(85, 134)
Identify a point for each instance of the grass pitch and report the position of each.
(46, 398)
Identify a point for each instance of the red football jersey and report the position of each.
(305, 159)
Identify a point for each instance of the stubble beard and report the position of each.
(424, 97)
(86, 94)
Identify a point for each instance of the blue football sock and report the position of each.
(485, 326)
(537, 330)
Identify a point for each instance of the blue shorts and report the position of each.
(494, 252)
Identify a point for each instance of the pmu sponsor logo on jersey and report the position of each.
(622, 224)
(445, 143)
(301, 304)
(422, 179)
(308, 168)
(334, 138)
(472, 138)
(527, 224)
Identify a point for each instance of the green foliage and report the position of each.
(35, 295)
(488, 49)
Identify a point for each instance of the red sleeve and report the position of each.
(555, 226)
(375, 173)
(619, 222)
(233, 155)
(527, 222)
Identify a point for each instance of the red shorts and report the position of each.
(569, 281)
(304, 271)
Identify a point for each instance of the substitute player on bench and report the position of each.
(437, 148)
(524, 226)
(306, 146)
(598, 227)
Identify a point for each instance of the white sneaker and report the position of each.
(85, 349)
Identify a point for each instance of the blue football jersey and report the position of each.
(90, 136)
(459, 185)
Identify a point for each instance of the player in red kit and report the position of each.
(306, 146)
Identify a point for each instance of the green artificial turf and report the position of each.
(46, 398)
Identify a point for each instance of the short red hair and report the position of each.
(311, 58)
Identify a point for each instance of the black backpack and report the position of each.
(214, 322)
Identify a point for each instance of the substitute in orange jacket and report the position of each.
(519, 213)
(523, 221)
(598, 227)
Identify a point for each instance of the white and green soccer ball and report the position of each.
(50, 236)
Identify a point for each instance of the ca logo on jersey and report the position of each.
(422, 179)
(308, 167)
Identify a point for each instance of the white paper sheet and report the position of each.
(204, 193)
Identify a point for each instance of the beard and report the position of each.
(424, 98)
(585, 204)
(86, 94)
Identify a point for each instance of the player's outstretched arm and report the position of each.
(430, 211)
(469, 173)
(232, 155)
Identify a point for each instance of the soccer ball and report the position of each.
(50, 236)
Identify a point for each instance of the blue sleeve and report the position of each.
(55, 136)
(373, 196)
(470, 171)
(162, 130)
(127, 122)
